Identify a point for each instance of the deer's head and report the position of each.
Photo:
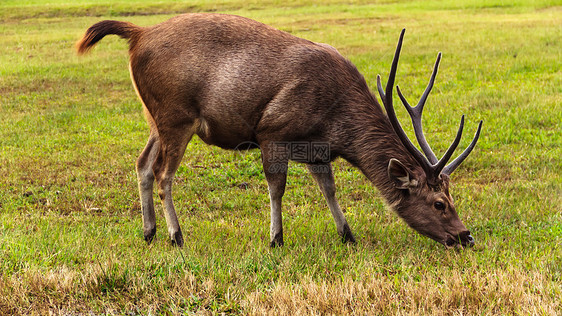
(425, 203)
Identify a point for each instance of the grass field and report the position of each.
(71, 128)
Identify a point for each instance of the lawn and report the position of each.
(71, 128)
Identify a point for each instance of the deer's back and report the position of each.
(240, 80)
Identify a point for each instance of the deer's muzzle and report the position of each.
(463, 239)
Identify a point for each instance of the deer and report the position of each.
(231, 80)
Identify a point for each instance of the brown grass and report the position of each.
(498, 292)
(68, 292)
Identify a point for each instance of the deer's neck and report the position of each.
(373, 144)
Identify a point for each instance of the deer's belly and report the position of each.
(228, 136)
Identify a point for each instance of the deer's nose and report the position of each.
(467, 239)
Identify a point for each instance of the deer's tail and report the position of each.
(99, 30)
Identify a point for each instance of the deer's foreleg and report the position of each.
(275, 163)
(324, 176)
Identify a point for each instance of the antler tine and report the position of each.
(386, 97)
(416, 114)
(441, 164)
(430, 83)
(455, 163)
(393, 68)
(379, 87)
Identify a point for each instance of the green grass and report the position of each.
(71, 128)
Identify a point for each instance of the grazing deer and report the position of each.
(232, 81)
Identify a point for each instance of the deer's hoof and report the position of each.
(347, 235)
(149, 235)
(277, 240)
(177, 239)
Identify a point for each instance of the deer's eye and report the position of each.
(439, 206)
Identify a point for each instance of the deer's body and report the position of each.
(237, 85)
(234, 81)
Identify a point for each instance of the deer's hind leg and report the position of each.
(173, 139)
(172, 124)
(145, 177)
(159, 162)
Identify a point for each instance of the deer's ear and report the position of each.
(400, 175)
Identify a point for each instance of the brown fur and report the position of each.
(232, 80)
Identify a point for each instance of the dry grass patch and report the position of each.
(106, 289)
(457, 293)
